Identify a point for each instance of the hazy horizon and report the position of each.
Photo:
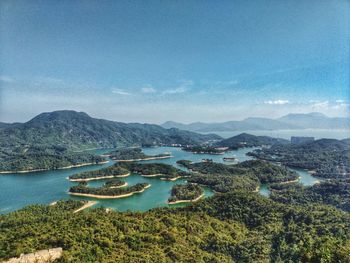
(158, 123)
(183, 61)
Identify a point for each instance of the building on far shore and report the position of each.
(299, 139)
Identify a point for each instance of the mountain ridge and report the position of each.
(312, 120)
(76, 130)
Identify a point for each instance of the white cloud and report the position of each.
(320, 104)
(175, 90)
(182, 88)
(6, 79)
(120, 92)
(148, 89)
(277, 102)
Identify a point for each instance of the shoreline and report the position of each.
(257, 189)
(119, 186)
(98, 178)
(87, 205)
(170, 179)
(209, 153)
(110, 196)
(151, 175)
(291, 181)
(144, 159)
(60, 168)
(186, 201)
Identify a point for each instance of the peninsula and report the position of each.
(106, 192)
(247, 175)
(134, 154)
(325, 158)
(165, 171)
(114, 171)
(185, 193)
(37, 158)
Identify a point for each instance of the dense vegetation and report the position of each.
(248, 140)
(184, 162)
(297, 224)
(106, 190)
(185, 192)
(268, 173)
(329, 158)
(114, 183)
(204, 150)
(164, 170)
(331, 192)
(43, 158)
(114, 170)
(225, 183)
(133, 154)
(247, 175)
(233, 227)
(77, 130)
(71, 131)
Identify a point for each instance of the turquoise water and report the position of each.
(264, 190)
(19, 190)
(305, 177)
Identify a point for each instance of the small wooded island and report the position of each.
(205, 149)
(134, 154)
(247, 175)
(164, 171)
(186, 193)
(105, 173)
(115, 183)
(107, 191)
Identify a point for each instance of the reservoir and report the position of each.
(19, 190)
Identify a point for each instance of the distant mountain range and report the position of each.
(77, 130)
(291, 121)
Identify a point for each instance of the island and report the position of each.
(106, 192)
(247, 175)
(164, 171)
(113, 171)
(184, 163)
(134, 154)
(205, 149)
(186, 193)
(115, 183)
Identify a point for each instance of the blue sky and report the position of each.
(153, 61)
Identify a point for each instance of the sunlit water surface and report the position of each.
(19, 190)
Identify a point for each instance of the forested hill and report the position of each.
(328, 158)
(232, 227)
(248, 140)
(76, 130)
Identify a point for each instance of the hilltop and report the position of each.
(77, 130)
